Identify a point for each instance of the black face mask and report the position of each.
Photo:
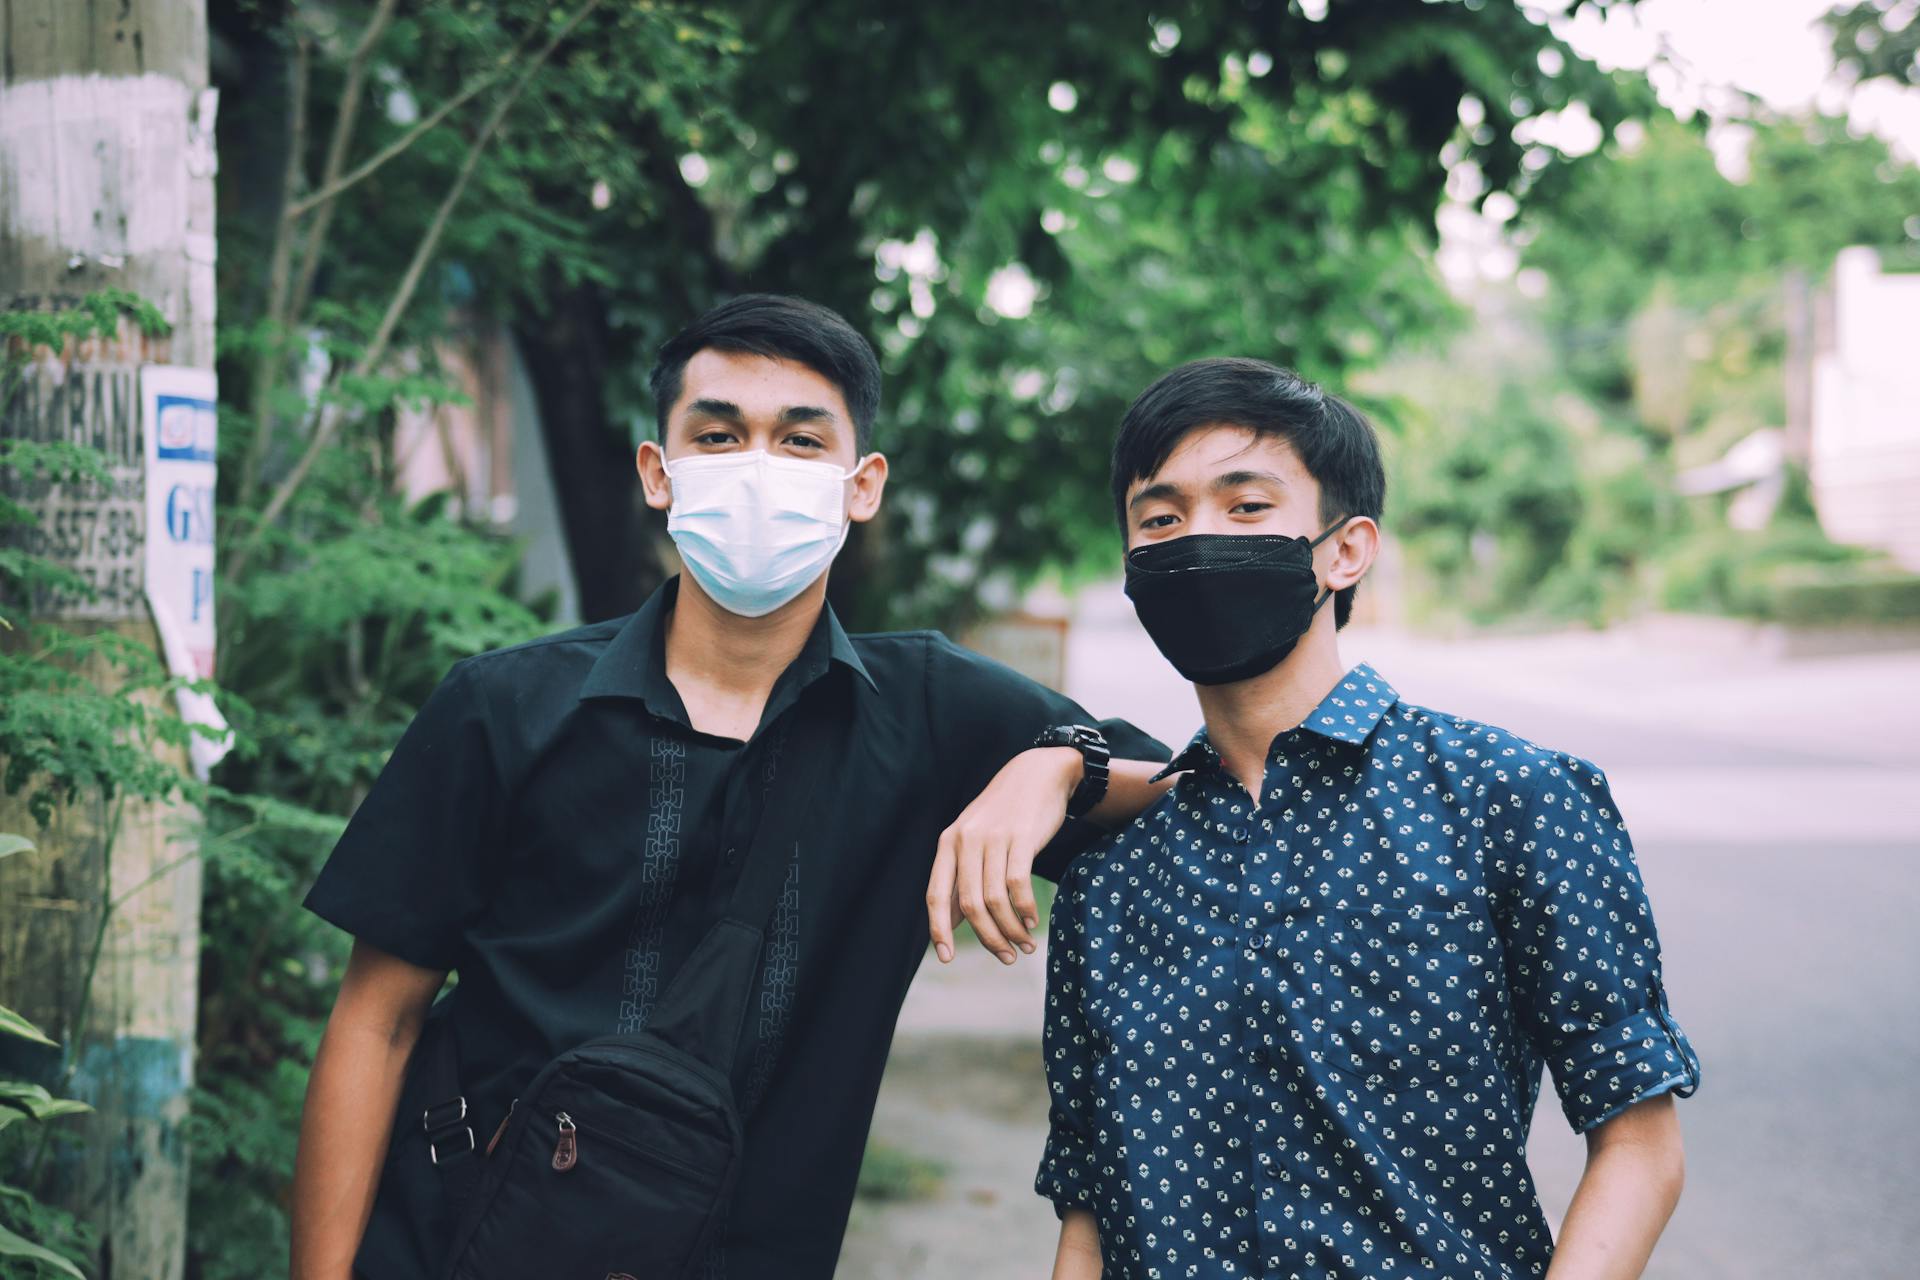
(1226, 607)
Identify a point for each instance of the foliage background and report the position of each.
(1134, 190)
(1032, 207)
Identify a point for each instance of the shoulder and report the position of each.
(558, 659)
(519, 697)
(590, 639)
(925, 645)
(894, 646)
(949, 667)
(1514, 786)
(1475, 750)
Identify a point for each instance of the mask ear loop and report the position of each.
(1328, 532)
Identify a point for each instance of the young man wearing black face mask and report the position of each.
(1297, 1011)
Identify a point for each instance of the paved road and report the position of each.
(1776, 809)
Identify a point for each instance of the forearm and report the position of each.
(1078, 1256)
(1625, 1197)
(1130, 792)
(344, 1131)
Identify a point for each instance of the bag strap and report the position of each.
(704, 1009)
(804, 753)
(448, 1126)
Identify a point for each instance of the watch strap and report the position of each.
(1094, 756)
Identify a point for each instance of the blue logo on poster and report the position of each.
(190, 514)
(185, 432)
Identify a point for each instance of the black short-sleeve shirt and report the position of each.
(553, 829)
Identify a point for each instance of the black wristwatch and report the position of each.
(1094, 754)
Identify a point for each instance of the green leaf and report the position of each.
(11, 844)
(37, 1102)
(52, 1109)
(13, 1024)
(14, 1246)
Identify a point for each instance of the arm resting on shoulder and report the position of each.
(1078, 1257)
(1131, 791)
(351, 1096)
(1635, 1168)
(983, 865)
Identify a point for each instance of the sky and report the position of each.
(1773, 49)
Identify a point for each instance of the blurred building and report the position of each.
(489, 457)
(1864, 439)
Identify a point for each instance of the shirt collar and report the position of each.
(634, 664)
(1354, 708)
(1349, 713)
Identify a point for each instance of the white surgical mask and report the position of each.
(755, 530)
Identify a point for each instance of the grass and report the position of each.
(891, 1175)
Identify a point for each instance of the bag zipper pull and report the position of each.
(566, 1152)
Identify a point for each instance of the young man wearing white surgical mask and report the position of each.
(567, 822)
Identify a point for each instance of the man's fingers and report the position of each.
(1020, 889)
(940, 903)
(999, 900)
(970, 854)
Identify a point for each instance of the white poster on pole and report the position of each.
(178, 408)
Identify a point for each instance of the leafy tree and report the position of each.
(1239, 178)
(1877, 39)
(1033, 208)
(1545, 488)
(1654, 248)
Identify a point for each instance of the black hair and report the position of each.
(1335, 443)
(780, 328)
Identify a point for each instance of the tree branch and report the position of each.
(362, 171)
(329, 418)
(337, 147)
(267, 363)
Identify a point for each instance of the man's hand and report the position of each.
(984, 867)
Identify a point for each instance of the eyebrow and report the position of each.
(1227, 480)
(1233, 479)
(1153, 493)
(728, 411)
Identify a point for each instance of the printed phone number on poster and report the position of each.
(69, 534)
(109, 593)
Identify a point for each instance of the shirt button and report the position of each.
(731, 856)
(1240, 835)
(1270, 1164)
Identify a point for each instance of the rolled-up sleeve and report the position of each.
(1582, 954)
(1067, 1167)
(409, 874)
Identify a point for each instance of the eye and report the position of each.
(1159, 522)
(806, 442)
(713, 438)
(1252, 506)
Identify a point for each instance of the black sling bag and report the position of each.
(617, 1162)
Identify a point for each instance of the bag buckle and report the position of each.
(445, 1122)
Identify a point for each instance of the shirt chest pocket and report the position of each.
(1392, 993)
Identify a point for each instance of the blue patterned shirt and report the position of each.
(1304, 1038)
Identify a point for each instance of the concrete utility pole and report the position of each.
(106, 181)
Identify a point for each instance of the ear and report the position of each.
(651, 462)
(865, 488)
(1345, 557)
